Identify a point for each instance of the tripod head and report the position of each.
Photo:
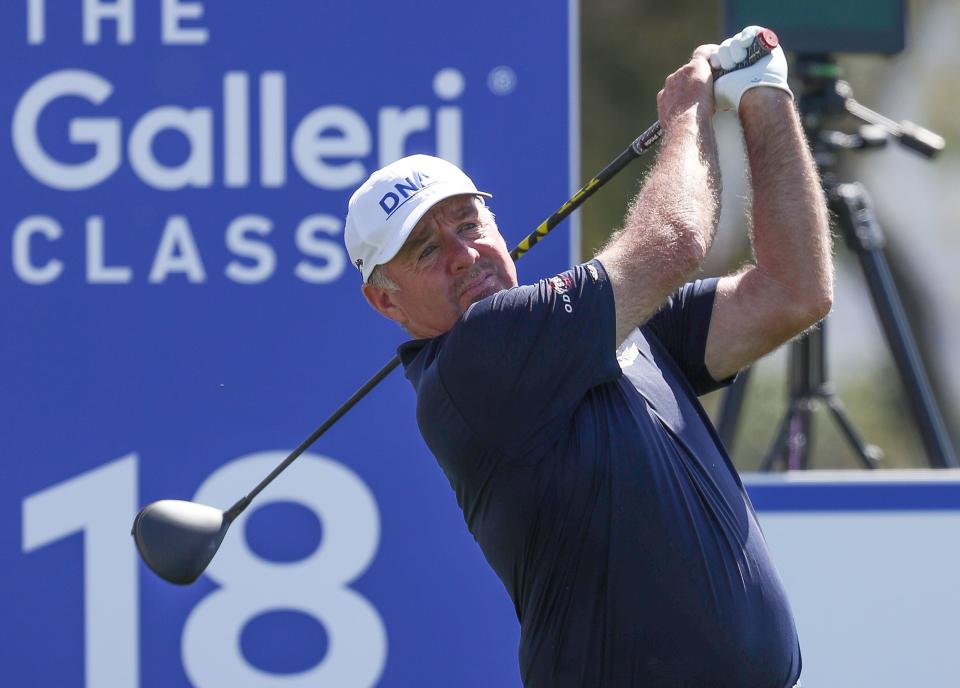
(824, 96)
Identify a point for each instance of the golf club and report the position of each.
(178, 539)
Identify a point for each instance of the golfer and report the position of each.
(565, 414)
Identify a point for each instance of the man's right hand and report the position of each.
(688, 88)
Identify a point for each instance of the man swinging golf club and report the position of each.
(564, 413)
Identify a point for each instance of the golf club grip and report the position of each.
(763, 43)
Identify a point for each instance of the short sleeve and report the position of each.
(681, 326)
(521, 360)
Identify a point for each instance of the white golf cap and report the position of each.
(385, 209)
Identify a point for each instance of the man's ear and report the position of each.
(382, 301)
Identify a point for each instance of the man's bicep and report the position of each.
(752, 316)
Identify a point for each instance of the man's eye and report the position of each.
(426, 252)
(469, 227)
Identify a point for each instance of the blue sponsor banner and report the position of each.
(178, 312)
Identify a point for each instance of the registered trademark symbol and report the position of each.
(502, 80)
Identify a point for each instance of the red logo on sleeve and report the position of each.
(562, 284)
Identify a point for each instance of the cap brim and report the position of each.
(438, 192)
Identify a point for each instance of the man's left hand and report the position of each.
(769, 71)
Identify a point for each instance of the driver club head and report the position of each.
(177, 539)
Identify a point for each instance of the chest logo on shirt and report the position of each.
(563, 284)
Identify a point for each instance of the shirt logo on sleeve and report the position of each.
(594, 275)
(563, 284)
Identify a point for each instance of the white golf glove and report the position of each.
(771, 70)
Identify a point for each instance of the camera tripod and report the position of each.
(825, 95)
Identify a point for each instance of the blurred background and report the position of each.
(628, 47)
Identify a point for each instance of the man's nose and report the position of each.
(462, 254)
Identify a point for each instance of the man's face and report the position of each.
(453, 257)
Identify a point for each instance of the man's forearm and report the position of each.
(791, 239)
(670, 223)
(681, 195)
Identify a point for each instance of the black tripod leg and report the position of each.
(863, 234)
(869, 454)
(730, 409)
(800, 437)
(779, 445)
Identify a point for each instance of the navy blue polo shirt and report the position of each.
(599, 492)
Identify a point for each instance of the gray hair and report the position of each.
(378, 278)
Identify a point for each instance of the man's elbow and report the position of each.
(813, 306)
(690, 248)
